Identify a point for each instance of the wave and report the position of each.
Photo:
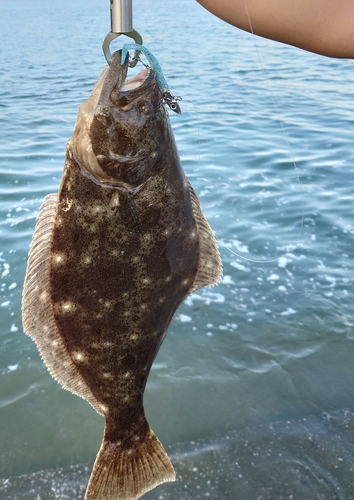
(307, 459)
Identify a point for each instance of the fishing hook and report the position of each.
(121, 24)
(170, 99)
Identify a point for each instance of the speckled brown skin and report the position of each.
(125, 270)
(113, 256)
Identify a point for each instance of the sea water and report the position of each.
(266, 139)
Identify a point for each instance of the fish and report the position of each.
(113, 255)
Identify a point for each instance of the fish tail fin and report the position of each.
(122, 473)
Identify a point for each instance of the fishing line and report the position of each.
(266, 261)
(288, 146)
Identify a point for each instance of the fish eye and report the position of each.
(144, 108)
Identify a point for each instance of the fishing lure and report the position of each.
(170, 99)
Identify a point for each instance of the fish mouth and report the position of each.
(136, 81)
(113, 89)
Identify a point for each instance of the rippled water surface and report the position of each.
(266, 138)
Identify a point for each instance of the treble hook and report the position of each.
(121, 24)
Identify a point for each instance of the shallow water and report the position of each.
(273, 341)
(293, 459)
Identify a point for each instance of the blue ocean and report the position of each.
(252, 392)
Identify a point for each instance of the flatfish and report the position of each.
(113, 255)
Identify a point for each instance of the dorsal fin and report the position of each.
(37, 312)
(210, 265)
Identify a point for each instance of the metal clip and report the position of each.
(171, 101)
(121, 24)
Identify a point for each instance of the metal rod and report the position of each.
(121, 16)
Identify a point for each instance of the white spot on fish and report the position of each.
(96, 209)
(162, 300)
(126, 398)
(115, 200)
(107, 375)
(126, 374)
(44, 296)
(104, 408)
(133, 337)
(79, 356)
(68, 306)
(59, 221)
(87, 260)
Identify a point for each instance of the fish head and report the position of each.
(120, 129)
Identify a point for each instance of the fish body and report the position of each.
(113, 255)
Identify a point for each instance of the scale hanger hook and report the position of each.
(121, 24)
